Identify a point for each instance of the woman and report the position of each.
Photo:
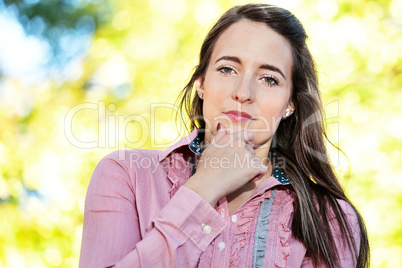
(251, 186)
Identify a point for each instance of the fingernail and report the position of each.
(219, 126)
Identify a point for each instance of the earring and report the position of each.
(287, 114)
(201, 95)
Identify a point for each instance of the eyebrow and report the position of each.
(262, 66)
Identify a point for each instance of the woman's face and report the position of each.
(249, 72)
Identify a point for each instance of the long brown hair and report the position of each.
(299, 139)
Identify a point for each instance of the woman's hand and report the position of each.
(228, 163)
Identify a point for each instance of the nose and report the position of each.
(244, 91)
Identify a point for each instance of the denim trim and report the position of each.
(195, 146)
(261, 231)
(280, 175)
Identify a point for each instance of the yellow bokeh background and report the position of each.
(121, 92)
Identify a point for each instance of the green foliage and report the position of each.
(59, 16)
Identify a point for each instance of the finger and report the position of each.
(260, 175)
(221, 132)
(256, 178)
(250, 138)
(261, 168)
(241, 138)
(247, 137)
(250, 148)
(264, 169)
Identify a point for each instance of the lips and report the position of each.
(239, 116)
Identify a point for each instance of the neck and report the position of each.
(262, 152)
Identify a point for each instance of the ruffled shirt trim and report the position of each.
(246, 218)
(178, 172)
(283, 245)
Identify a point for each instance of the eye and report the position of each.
(226, 70)
(270, 80)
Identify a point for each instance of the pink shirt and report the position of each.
(139, 214)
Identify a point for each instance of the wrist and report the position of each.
(205, 192)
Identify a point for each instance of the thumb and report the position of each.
(249, 138)
(220, 127)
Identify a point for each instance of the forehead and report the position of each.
(254, 42)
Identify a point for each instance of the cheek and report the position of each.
(215, 94)
(273, 104)
(271, 110)
(268, 120)
(210, 109)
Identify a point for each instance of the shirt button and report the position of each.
(207, 229)
(234, 218)
(222, 245)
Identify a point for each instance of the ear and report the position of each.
(199, 85)
(289, 110)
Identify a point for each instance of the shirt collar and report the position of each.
(183, 142)
(193, 141)
(195, 146)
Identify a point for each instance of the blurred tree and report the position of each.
(61, 23)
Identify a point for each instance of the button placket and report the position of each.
(222, 245)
